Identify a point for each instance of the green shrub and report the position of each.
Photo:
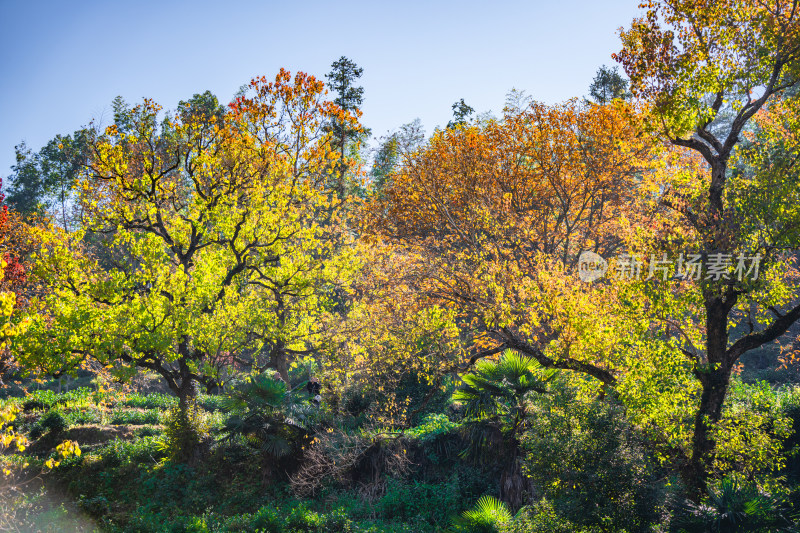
(212, 403)
(591, 464)
(96, 506)
(185, 431)
(149, 431)
(737, 505)
(35, 431)
(39, 400)
(419, 501)
(194, 524)
(542, 518)
(142, 451)
(54, 422)
(303, 520)
(267, 520)
(81, 398)
(432, 426)
(488, 516)
(789, 402)
(143, 521)
(751, 432)
(88, 416)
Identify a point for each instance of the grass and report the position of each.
(123, 481)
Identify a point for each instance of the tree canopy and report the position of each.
(215, 252)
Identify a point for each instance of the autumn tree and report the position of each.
(708, 70)
(481, 230)
(217, 259)
(15, 250)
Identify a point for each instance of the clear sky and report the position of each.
(62, 63)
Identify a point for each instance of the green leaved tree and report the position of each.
(707, 71)
(215, 260)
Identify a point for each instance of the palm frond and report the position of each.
(487, 516)
(493, 385)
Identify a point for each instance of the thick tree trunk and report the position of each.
(714, 373)
(187, 394)
(188, 445)
(280, 362)
(186, 386)
(514, 486)
(714, 376)
(715, 387)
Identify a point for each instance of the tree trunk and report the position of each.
(280, 362)
(714, 377)
(187, 395)
(188, 446)
(515, 487)
(715, 387)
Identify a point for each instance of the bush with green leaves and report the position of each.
(142, 451)
(432, 426)
(54, 422)
(153, 400)
(427, 504)
(39, 400)
(82, 417)
(752, 431)
(80, 398)
(302, 520)
(789, 404)
(212, 403)
(541, 517)
(95, 506)
(591, 463)
(185, 431)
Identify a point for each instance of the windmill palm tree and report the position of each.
(267, 416)
(493, 396)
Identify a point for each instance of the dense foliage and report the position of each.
(216, 319)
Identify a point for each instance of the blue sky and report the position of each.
(63, 62)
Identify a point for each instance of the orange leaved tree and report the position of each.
(476, 238)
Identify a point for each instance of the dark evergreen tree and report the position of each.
(461, 114)
(41, 182)
(341, 80)
(608, 85)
